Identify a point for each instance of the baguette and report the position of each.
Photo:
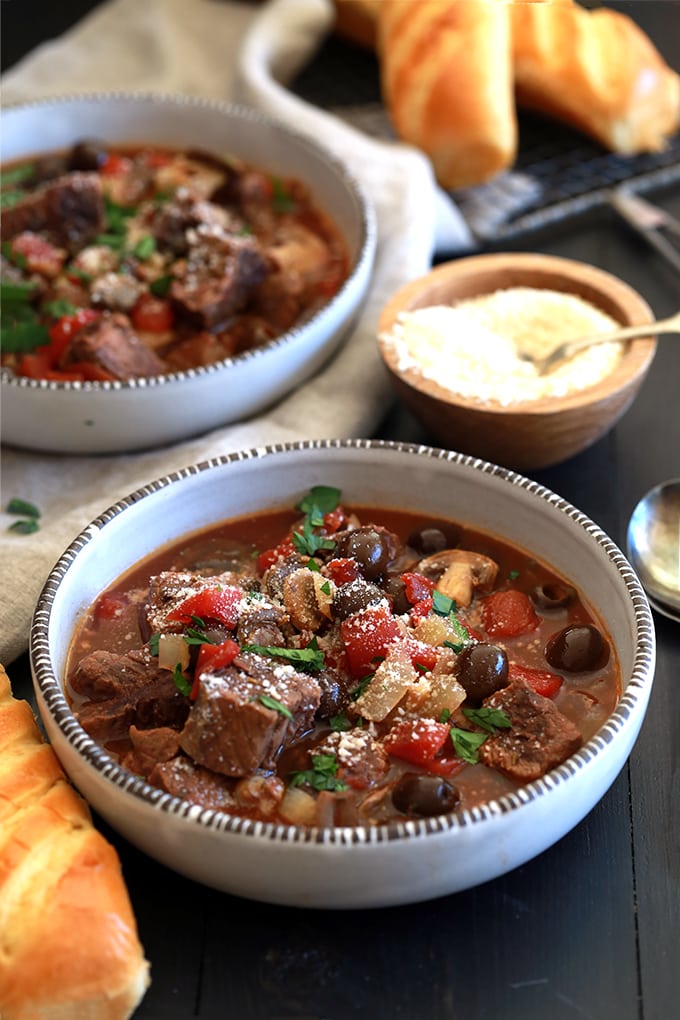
(596, 70)
(69, 948)
(446, 79)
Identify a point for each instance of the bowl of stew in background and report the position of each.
(291, 676)
(169, 265)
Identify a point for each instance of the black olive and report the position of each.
(354, 596)
(577, 649)
(429, 540)
(88, 154)
(372, 547)
(552, 595)
(418, 794)
(482, 669)
(395, 589)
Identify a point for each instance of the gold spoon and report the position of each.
(569, 348)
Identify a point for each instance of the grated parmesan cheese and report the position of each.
(472, 348)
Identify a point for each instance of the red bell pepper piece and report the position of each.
(541, 680)
(152, 314)
(418, 741)
(212, 657)
(417, 587)
(269, 557)
(343, 570)
(64, 329)
(508, 614)
(219, 604)
(367, 636)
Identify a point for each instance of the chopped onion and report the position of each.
(172, 651)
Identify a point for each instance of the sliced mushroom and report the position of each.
(307, 596)
(458, 572)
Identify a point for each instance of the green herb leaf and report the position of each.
(311, 656)
(57, 309)
(322, 775)
(10, 197)
(461, 633)
(278, 706)
(445, 715)
(20, 293)
(361, 687)
(308, 543)
(25, 527)
(17, 258)
(153, 643)
(320, 500)
(489, 719)
(513, 575)
(23, 507)
(180, 681)
(17, 174)
(467, 744)
(339, 723)
(281, 200)
(144, 248)
(442, 604)
(161, 285)
(23, 337)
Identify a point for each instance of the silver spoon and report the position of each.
(654, 546)
(568, 348)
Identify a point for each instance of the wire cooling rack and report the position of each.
(558, 174)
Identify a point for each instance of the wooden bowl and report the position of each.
(532, 433)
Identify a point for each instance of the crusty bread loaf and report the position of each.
(447, 83)
(597, 70)
(69, 948)
(453, 72)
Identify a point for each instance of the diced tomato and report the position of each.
(508, 614)
(152, 314)
(211, 657)
(269, 557)
(541, 680)
(109, 606)
(88, 371)
(334, 520)
(115, 165)
(417, 587)
(421, 654)
(40, 256)
(64, 329)
(343, 570)
(35, 364)
(367, 636)
(416, 740)
(219, 604)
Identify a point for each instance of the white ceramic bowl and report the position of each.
(107, 417)
(364, 866)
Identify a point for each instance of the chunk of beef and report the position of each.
(150, 747)
(38, 255)
(183, 778)
(219, 276)
(260, 793)
(173, 220)
(361, 761)
(199, 349)
(110, 343)
(232, 731)
(69, 210)
(123, 690)
(261, 622)
(539, 739)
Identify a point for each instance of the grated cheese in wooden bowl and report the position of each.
(473, 348)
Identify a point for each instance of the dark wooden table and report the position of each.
(590, 930)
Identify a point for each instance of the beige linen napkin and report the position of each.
(211, 49)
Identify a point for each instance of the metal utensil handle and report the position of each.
(571, 347)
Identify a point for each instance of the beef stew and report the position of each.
(329, 665)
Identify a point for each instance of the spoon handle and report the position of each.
(571, 347)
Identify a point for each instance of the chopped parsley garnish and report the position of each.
(442, 605)
(276, 705)
(161, 285)
(513, 575)
(17, 258)
(180, 681)
(321, 776)
(310, 657)
(10, 197)
(23, 507)
(282, 201)
(29, 513)
(466, 742)
(145, 247)
(153, 644)
(57, 309)
(17, 174)
(339, 723)
(319, 501)
(361, 687)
